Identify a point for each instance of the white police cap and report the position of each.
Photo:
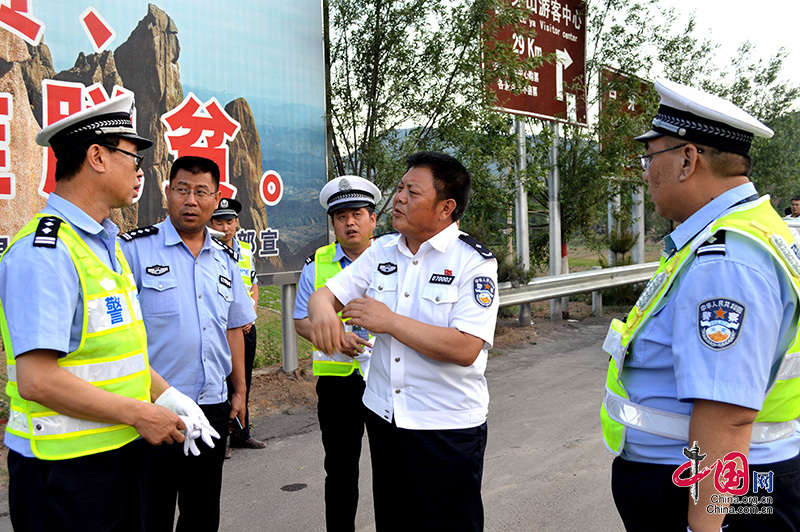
(349, 191)
(228, 208)
(112, 117)
(697, 116)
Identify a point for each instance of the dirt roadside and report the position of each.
(276, 396)
(274, 391)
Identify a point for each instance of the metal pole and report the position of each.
(638, 224)
(613, 207)
(553, 187)
(290, 362)
(597, 299)
(521, 213)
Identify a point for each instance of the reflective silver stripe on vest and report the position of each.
(676, 426)
(18, 421)
(337, 357)
(137, 309)
(53, 425)
(99, 371)
(108, 312)
(790, 367)
(613, 345)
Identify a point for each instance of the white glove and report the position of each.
(363, 361)
(192, 432)
(182, 405)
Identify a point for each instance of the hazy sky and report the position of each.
(767, 24)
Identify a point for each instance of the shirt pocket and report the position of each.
(384, 289)
(437, 303)
(159, 297)
(653, 344)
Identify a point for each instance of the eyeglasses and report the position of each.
(137, 158)
(645, 159)
(199, 194)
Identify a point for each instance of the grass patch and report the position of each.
(269, 349)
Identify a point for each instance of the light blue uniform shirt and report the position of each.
(188, 305)
(669, 366)
(41, 293)
(305, 286)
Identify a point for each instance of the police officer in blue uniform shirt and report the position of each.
(350, 202)
(701, 370)
(77, 464)
(427, 294)
(194, 305)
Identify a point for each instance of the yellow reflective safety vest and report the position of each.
(338, 365)
(246, 266)
(112, 355)
(759, 222)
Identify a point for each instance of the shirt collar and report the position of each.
(171, 236)
(80, 220)
(439, 241)
(340, 256)
(710, 212)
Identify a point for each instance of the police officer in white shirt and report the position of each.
(428, 295)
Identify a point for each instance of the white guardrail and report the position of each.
(543, 288)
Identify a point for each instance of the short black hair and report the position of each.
(795, 198)
(196, 165)
(70, 161)
(450, 178)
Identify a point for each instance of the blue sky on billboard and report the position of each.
(203, 33)
(268, 52)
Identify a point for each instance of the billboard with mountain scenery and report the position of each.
(238, 82)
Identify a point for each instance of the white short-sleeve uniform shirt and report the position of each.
(450, 282)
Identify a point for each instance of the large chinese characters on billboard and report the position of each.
(556, 90)
(241, 83)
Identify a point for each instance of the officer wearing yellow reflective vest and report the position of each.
(350, 202)
(225, 219)
(79, 378)
(709, 354)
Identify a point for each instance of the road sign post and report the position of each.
(556, 92)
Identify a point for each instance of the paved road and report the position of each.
(546, 469)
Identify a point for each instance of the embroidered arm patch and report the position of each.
(483, 289)
(719, 322)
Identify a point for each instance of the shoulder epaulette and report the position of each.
(477, 246)
(310, 259)
(713, 246)
(47, 232)
(139, 232)
(226, 248)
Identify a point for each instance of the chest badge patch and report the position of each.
(719, 322)
(438, 278)
(387, 268)
(224, 281)
(483, 289)
(157, 269)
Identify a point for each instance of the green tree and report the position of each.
(646, 40)
(408, 75)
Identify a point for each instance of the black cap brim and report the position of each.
(355, 204)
